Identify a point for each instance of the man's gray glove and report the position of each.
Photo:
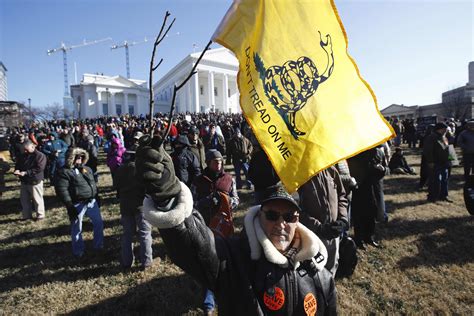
(154, 168)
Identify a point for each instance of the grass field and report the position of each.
(426, 264)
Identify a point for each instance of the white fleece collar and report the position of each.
(173, 217)
(311, 245)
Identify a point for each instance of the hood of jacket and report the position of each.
(116, 141)
(73, 153)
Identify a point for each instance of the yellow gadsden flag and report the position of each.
(299, 89)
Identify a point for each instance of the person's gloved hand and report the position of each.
(332, 230)
(339, 226)
(215, 199)
(154, 168)
(71, 212)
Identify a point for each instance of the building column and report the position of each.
(125, 103)
(196, 92)
(99, 103)
(177, 101)
(188, 97)
(112, 111)
(225, 95)
(212, 99)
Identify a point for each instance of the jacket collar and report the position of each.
(311, 245)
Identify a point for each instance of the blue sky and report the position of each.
(409, 51)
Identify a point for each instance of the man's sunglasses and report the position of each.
(80, 157)
(274, 216)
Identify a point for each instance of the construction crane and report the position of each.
(64, 49)
(126, 45)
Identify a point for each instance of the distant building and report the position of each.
(213, 88)
(457, 103)
(99, 95)
(3, 83)
(12, 114)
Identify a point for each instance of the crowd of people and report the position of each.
(286, 258)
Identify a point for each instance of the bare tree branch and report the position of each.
(176, 89)
(158, 40)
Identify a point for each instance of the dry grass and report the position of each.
(426, 264)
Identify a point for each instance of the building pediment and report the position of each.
(395, 108)
(218, 55)
(118, 81)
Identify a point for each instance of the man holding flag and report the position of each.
(294, 83)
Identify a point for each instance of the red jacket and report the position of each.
(173, 131)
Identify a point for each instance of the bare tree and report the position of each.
(457, 106)
(176, 88)
(55, 111)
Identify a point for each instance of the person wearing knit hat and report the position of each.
(196, 146)
(436, 157)
(186, 164)
(210, 190)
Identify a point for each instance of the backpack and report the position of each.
(222, 222)
(347, 257)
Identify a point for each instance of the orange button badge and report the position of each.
(310, 304)
(276, 301)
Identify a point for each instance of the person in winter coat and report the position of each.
(186, 164)
(261, 172)
(30, 168)
(67, 137)
(131, 193)
(213, 179)
(398, 163)
(114, 155)
(239, 151)
(55, 149)
(436, 157)
(76, 187)
(466, 142)
(368, 168)
(4, 167)
(274, 266)
(196, 146)
(323, 203)
(349, 183)
(207, 190)
(86, 142)
(212, 140)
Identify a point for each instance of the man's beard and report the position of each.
(281, 239)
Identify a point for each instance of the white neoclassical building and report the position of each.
(3, 83)
(213, 88)
(98, 95)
